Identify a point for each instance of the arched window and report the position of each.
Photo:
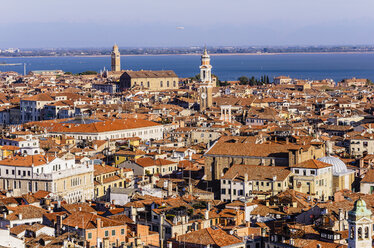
(352, 234)
(359, 233)
(366, 232)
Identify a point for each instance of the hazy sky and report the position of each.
(94, 23)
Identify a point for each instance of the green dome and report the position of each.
(359, 210)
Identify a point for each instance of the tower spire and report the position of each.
(206, 81)
(116, 58)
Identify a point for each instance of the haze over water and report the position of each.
(226, 67)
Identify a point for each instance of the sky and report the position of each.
(169, 23)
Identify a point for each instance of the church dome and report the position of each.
(338, 166)
(359, 210)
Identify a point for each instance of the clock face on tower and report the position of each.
(203, 95)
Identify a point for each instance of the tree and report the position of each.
(88, 73)
(243, 80)
(252, 81)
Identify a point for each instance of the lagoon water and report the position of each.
(226, 67)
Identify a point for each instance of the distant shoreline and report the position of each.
(189, 54)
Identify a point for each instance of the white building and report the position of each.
(31, 107)
(360, 226)
(63, 178)
(28, 144)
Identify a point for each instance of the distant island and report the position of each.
(15, 52)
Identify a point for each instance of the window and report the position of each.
(122, 231)
(223, 191)
(366, 232)
(89, 236)
(312, 172)
(359, 233)
(113, 232)
(161, 84)
(167, 83)
(106, 233)
(174, 84)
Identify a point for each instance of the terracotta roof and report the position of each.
(312, 164)
(209, 236)
(27, 212)
(40, 97)
(146, 162)
(84, 220)
(104, 169)
(95, 127)
(149, 74)
(27, 161)
(235, 147)
(369, 177)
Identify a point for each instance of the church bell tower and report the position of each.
(360, 226)
(116, 59)
(206, 86)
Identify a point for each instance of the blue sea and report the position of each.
(226, 67)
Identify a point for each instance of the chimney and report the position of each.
(206, 214)
(170, 244)
(292, 242)
(133, 214)
(170, 188)
(99, 223)
(58, 225)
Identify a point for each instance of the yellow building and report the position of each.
(313, 177)
(126, 155)
(107, 177)
(74, 185)
(342, 177)
(7, 151)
